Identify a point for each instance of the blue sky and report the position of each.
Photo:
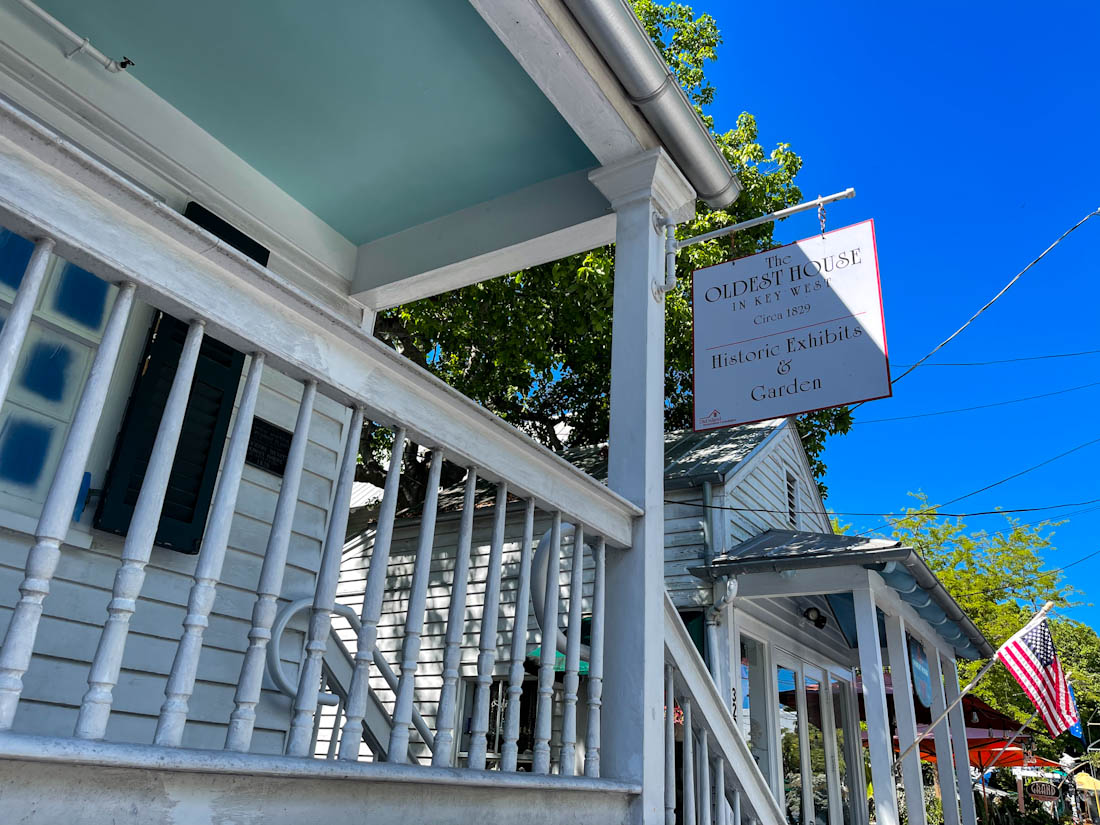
(971, 133)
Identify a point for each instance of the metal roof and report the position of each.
(900, 567)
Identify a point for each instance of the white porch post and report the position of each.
(945, 765)
(642, 190)
(906, 716)
(967, 812)
(874, 700)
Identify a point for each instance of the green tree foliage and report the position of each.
(535, 346)
(999, 579)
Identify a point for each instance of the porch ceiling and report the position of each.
(375, 116)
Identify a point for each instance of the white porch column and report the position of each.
(904, 711)
(874, 700)
(945, 765)
(642, 190)
(967, 812)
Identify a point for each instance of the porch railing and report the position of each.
(719, 782)
(120, 234)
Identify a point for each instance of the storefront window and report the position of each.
(842, 719)
(789, 746)
(752, 709)
(819, 774)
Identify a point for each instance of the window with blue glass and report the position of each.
(65, 329)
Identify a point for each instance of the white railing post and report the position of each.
(57, 512)
(571, 681)
(398, 750)
(670, 745)
(95, 708)
(208, 568)
(737, 807)
(720, 791)
(243, 718)
(367, 637)
(905, 717)
(704, 778)
(874, 701)
(945, 767)
(18, 321)
(967, 811)
(688, 792)
(456, 624)
(595, 666)
(324, 596)
(487, 654)
(509, 752)
(548, 651)
(643, 190)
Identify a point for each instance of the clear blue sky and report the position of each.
(971, 132)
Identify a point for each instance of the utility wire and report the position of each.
(1061, 569)
(994, 299)
(891, 515)
(986, 487)
(977, 407)
(1003, 360)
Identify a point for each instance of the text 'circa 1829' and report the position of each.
(790, 330)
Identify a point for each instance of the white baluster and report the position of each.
(367, 638)
(324, 596)
(571, 681)
(595, 666)
(456, 622)
(548, 651)
(57, 512)
(398, 750)
(737, 808)
(250, 684)
(689, 766)
(720, 791)
(208, 568)
(103, 676)
(510, 750)
(704, 779)
(487, 655)
(334, 732)
(670, 746)
(19, 319)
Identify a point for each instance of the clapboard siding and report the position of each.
(77, 605)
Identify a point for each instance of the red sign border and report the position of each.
(882, 315)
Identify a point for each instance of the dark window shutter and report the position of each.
(202, 438)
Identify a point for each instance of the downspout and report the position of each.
(649, 83)
(726, 585)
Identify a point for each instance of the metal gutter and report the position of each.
(649, 83)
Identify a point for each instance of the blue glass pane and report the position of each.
(46, 370)
(81, 296)
(24, 445)
(15, 252)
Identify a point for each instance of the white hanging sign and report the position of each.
(789, 331)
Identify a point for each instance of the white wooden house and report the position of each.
(203, 206)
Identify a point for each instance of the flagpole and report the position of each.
(1008, 744)
(972, 684)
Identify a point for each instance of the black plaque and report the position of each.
(268, 447)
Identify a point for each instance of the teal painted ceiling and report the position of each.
(376, 116)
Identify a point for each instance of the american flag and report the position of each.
(1030, 657)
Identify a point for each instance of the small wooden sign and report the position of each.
(268, 447)
(1043, 791)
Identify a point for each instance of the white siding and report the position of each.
(76, 607)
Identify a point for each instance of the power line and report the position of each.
(994, 299)
(977, 407)
(1004, 360)
(988, 486)
(1061, 569)
(901, 515)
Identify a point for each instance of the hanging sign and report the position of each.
(791, 330)
(1043, 791)
(922, 676)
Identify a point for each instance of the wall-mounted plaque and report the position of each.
(268, 447)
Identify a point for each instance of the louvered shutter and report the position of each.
(202, 438)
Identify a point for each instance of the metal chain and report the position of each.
(821, 219)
